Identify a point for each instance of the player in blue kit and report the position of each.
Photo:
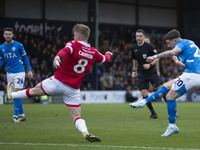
(12, 52)
(189, 56)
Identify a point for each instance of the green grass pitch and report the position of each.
(49, 127)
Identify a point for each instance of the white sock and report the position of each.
(23, 115)
(172, 125)
(145, 101)
(81, 125)
(19, 94)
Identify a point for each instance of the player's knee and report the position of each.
(158, 87)
(167, 86)
(36, 91)
(32, 92)
(170, 97)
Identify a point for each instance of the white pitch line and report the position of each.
(103, 146)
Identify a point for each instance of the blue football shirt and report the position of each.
(12, 55)
(189, 55)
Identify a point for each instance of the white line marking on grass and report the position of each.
(103, 146)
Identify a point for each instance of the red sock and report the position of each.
(28, 94)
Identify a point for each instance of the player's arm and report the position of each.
(28, 66)
(27, 63)
(158, 68)
(177, 61)
(168, 53)
(1, 60)
(147, 66)
(134, 70)
(100, 58)
(134, 65)
(155, 61)
(61, 54)
(25, 59)
(107, 56)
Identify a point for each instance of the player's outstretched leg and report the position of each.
(10, 89)
(90, 137)
(170, 131)
(81, 126)
(138, 104)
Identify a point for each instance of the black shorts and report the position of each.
(154, 79)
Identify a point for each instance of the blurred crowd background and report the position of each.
(115, 75)
(44, 27)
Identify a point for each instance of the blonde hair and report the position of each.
(83, 30)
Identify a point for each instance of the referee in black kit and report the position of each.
(146, 72)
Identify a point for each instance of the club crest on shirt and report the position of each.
(144, 56)
(13, 48)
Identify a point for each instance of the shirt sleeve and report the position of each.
(22, 50)
(180, 46)
(1, 59)
(107, 57)
(27, 63)
(1, 62)
(132, 52)
(65, 51)
(153, 51)
(133, 55)
(1, 55)
(100, 58)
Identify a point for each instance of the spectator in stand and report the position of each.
(36, 43)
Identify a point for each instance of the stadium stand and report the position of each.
(115, 75)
